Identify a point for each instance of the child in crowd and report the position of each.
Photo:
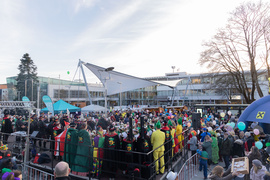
(203, 161)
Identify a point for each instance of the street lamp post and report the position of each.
(105, 86)
(120, 94)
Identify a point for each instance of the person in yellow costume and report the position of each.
(179, 130)
(157, 141)
(172, 128)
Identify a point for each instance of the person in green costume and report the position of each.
(84, 157)
(98, 144)
(71, 142)
(215, 149)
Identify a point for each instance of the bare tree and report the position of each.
(238, 47)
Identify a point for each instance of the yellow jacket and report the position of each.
(179, 130)
(158, 139)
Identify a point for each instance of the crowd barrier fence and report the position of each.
(142, 161)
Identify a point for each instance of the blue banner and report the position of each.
(48, 102)
(26, 99)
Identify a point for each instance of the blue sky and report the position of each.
(142, 38)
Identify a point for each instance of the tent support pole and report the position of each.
(80, 64)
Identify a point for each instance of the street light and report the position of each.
(105, 86)
(120, 95)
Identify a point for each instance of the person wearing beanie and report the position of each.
(179, 130)
(157, 141)
(257, 171)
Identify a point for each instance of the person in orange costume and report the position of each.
(157, 141)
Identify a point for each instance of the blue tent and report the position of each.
(62, 106)
(258, 111)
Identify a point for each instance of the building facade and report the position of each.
(177, 88)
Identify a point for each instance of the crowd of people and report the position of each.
(95, 144)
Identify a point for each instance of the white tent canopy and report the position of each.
(117, 82)
(93, 108)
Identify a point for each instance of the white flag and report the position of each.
(68, 112)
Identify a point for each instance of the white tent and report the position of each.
(93, 108)
(116, 82)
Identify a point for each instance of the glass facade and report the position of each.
(155, 95)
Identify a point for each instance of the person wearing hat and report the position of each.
(257, 171)
(111, 144)
(84, 153)
(157, 141)
(193, 142)
(205, 132)
(179, 130)
(71, 141)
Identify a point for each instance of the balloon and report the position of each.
(241, 126)
(172, 116)
(256, 131)
(165, 110)
(258, 144)
(210, 116)
(232, 124)
(170, 113)
(230, 113)
(68, 72)
(188, 124)
(214, 122)
(208, 119)
(222, 114)
(169, 117)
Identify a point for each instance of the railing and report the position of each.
(128, 159)
(189, 169)
(31, 173)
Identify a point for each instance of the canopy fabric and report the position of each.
(117, 82)
(62, 106)
(258, 111)
(93, 108)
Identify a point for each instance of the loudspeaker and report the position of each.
(196, 121)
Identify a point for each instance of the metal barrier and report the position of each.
(135, 160)
(189, 168)
(31, 173)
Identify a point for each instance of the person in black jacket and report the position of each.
(6, 127)
(61, 171)
(226, 149)
(42, 131)
(238, 148)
